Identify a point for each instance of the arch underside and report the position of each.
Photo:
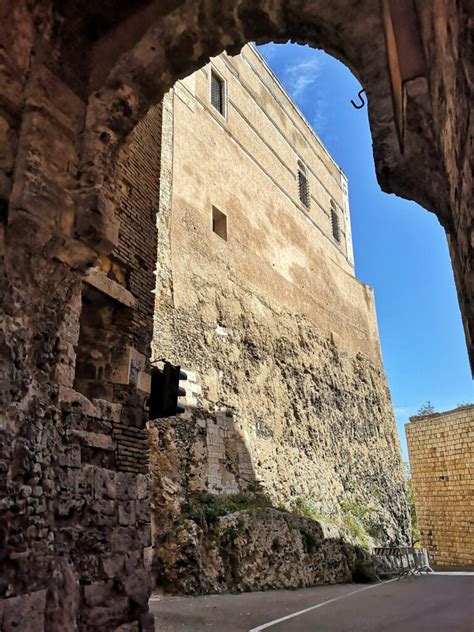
(406, 84)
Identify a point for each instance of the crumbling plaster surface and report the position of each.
(74, 84)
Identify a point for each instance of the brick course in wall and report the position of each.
(138, 174)
(441, 449)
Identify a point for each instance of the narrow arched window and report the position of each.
(336, 233)
(303, 186)
(218, 94)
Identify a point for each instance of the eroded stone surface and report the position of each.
(254, 550)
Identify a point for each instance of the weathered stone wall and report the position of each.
(447, 31)
(259, 549)
(138, 180)
(441, 449)
(279, 402)
(75, 525)
(279, 390)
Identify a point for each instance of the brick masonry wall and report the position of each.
(442, 466)
(138, 176)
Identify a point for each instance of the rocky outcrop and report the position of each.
(274, 404)
(277, 401)
(258, 549)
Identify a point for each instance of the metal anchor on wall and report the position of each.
(362, 102)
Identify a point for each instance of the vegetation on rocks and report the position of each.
(426, 409)
(415, 532)
(357, 522)
(208, 508)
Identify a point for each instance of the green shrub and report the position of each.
(378, 492)
(375, 529)
(357, 530)
(203, 508)
(426, 409)
(230, 534)
(304, 507)
(207, 507)
(415, 532)
(255, 487)
(276, 545)
(358, 510)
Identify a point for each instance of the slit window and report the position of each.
(219, 223)
(336, 233)
(217, 93)
(303, 187)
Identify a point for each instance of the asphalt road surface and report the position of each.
(433, 603)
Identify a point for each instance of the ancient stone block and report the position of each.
(25, 613)
(93, 439)
(110, 287)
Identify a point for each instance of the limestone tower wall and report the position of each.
(257, 299)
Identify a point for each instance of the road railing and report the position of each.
(402, 561)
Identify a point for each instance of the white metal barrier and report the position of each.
(402, 561)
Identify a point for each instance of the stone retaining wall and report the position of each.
(258, 549)
(441, 448)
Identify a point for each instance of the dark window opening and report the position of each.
(217, 93)
(103, 326)
(219, 223)
(335, 225)
(303, 187)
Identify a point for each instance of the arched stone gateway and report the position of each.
(75, 82)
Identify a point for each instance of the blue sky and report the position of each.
(400, 249)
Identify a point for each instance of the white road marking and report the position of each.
(319, 605)
(462, 573)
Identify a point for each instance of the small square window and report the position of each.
(219, 223)
(217, 92)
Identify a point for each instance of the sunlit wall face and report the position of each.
(399, 249)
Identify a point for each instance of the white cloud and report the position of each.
(299, 70)
(298, 77)
(269, 51)
(319, 120)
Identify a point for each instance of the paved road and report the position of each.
(443, 603)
